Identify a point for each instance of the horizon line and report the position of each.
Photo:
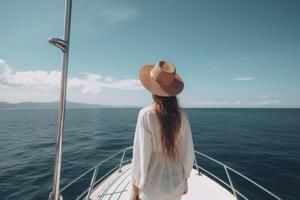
(139, 106)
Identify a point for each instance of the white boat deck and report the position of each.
(117, 186)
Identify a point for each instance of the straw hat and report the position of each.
(161, 79)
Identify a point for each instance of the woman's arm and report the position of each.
(134, 193)
(186, 187)
(141, 153)
(142, 148)
(186, 150)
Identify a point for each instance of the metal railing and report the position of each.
(228, 169)
(95, 170)
(200, 169)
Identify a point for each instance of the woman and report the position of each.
(163, 151)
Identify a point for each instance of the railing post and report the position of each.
(92, 183)
(121, 162)
(230, 182)
(198, 171)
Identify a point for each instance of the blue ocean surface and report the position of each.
(263, 144)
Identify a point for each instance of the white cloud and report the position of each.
(236, 102)
(103, 15)
(209, 103)
(270, 102)
(50, 80)
(108, 79)
(4, 68)
(93, 77)
(41, 79)
(119, 13)
(258, 102)
(265, 100)
(246, 78)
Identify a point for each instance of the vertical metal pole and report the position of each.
(198, 171)
(231, 185)
(121, 162)
(62, 102)
(92, 183)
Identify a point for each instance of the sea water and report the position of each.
(263, 144)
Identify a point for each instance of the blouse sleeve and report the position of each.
(186, 148)
(142, 148)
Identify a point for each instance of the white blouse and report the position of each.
(157, 176)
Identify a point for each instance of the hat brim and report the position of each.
(152, 86)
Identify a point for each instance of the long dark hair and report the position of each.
(168, 114)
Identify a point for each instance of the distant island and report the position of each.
(75, 105)
(53, 105)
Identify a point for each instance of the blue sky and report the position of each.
(230, 53)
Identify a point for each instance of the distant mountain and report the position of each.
(49, 105)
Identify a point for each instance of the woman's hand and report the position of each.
(134, 193)
(185, 186)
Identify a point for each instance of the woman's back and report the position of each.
(163, 151)
(158, 176)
